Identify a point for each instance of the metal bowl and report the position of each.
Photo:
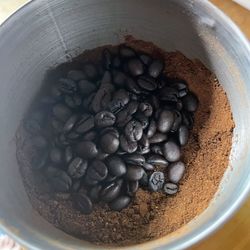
(43, 34)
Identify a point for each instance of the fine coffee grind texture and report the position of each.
(151, 215)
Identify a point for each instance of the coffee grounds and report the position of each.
(151, 215)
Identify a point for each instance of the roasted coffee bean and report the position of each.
(90, 71)
(84, 124)
(127, 146)
(151, 128)
(97, 170)
(110, 192)
(170, 188)
(156, 181)
(182, 89)
(111, 130)
(155, 68)
(76, 75)
(86, 87)
(94, 193)
(107, 59)
(176, 171)
(156, 149)
(61, 112)
(70, 123)
(134, 173)
(123, 118)
(147, 83)
(158, 138)
(56, 155)
(143, 150)
(132, 86)
(90, 136)
(120, 203)
(142, 119)
(171, 151)
(116, 166)
(135, 67)
(157, 160)
(59, 180)
(177, 121)
(86, 150)
(132, 107)
(168, 94)
(39, 141)
(68, 154)
(122, 95)
(126, 52)
(115, 106)
(77, 167)
(165, 121)
(144, 180)
(146, 59)
(104, 119)
(76, 185)
(119, 78)
(134, 159)
(132, 187)
(40, 159)
(190, 102)
(116, 62)
(144, 141)
(183, 135)
(67, 86)
(146, 109)
(73, 101)
(133, 131)
(109, 143)
(147, 166)
(83, 203)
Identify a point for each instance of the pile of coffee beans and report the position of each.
(114, 126)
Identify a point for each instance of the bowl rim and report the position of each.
(232, 208)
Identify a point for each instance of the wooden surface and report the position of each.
(234, 235)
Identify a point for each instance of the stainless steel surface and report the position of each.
(45, 33)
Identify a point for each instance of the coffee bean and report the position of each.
(147, 166)
(109, 143)
(132, 187)
(116, 166)
(126, 52)
(165, 121)
(70, 123)
(77, 167)
(120, 203)
(155, 68)
(170, 188)
(168, 94)
(104, 119)
(158, 138)
(182, 89)
(122, 95)
(115, 106)
(67, 86)
(156, 181)
(134, 173)
(86, 150)
(176, 171)
(73, 101)
(133, 131)
(39, 141)
(156, 149)
(40, 159)
(157, 160)
(123, 118)
(59, 180)
(68, 154)
(76, 185)
(134, 159)
(111, 130)
(147, 83)
(56, 155)
(88, 101)
(61, 112)
(143, 146)
(90, 136)
(151, 128)
(86, 87)
(83, 203)
(140, 117)
(183, 135)
(146, 59)
(84, 124)
(110, 192)
(146, 109)
(119, 78)
(132, 86)
(107, 59)
(128, 146)
(76, 75)
(190, 102)
(97, 170)
(177, 121)
(90, 71)
(94, 193)
(171, 151)
(132, 107)
(135, 67)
